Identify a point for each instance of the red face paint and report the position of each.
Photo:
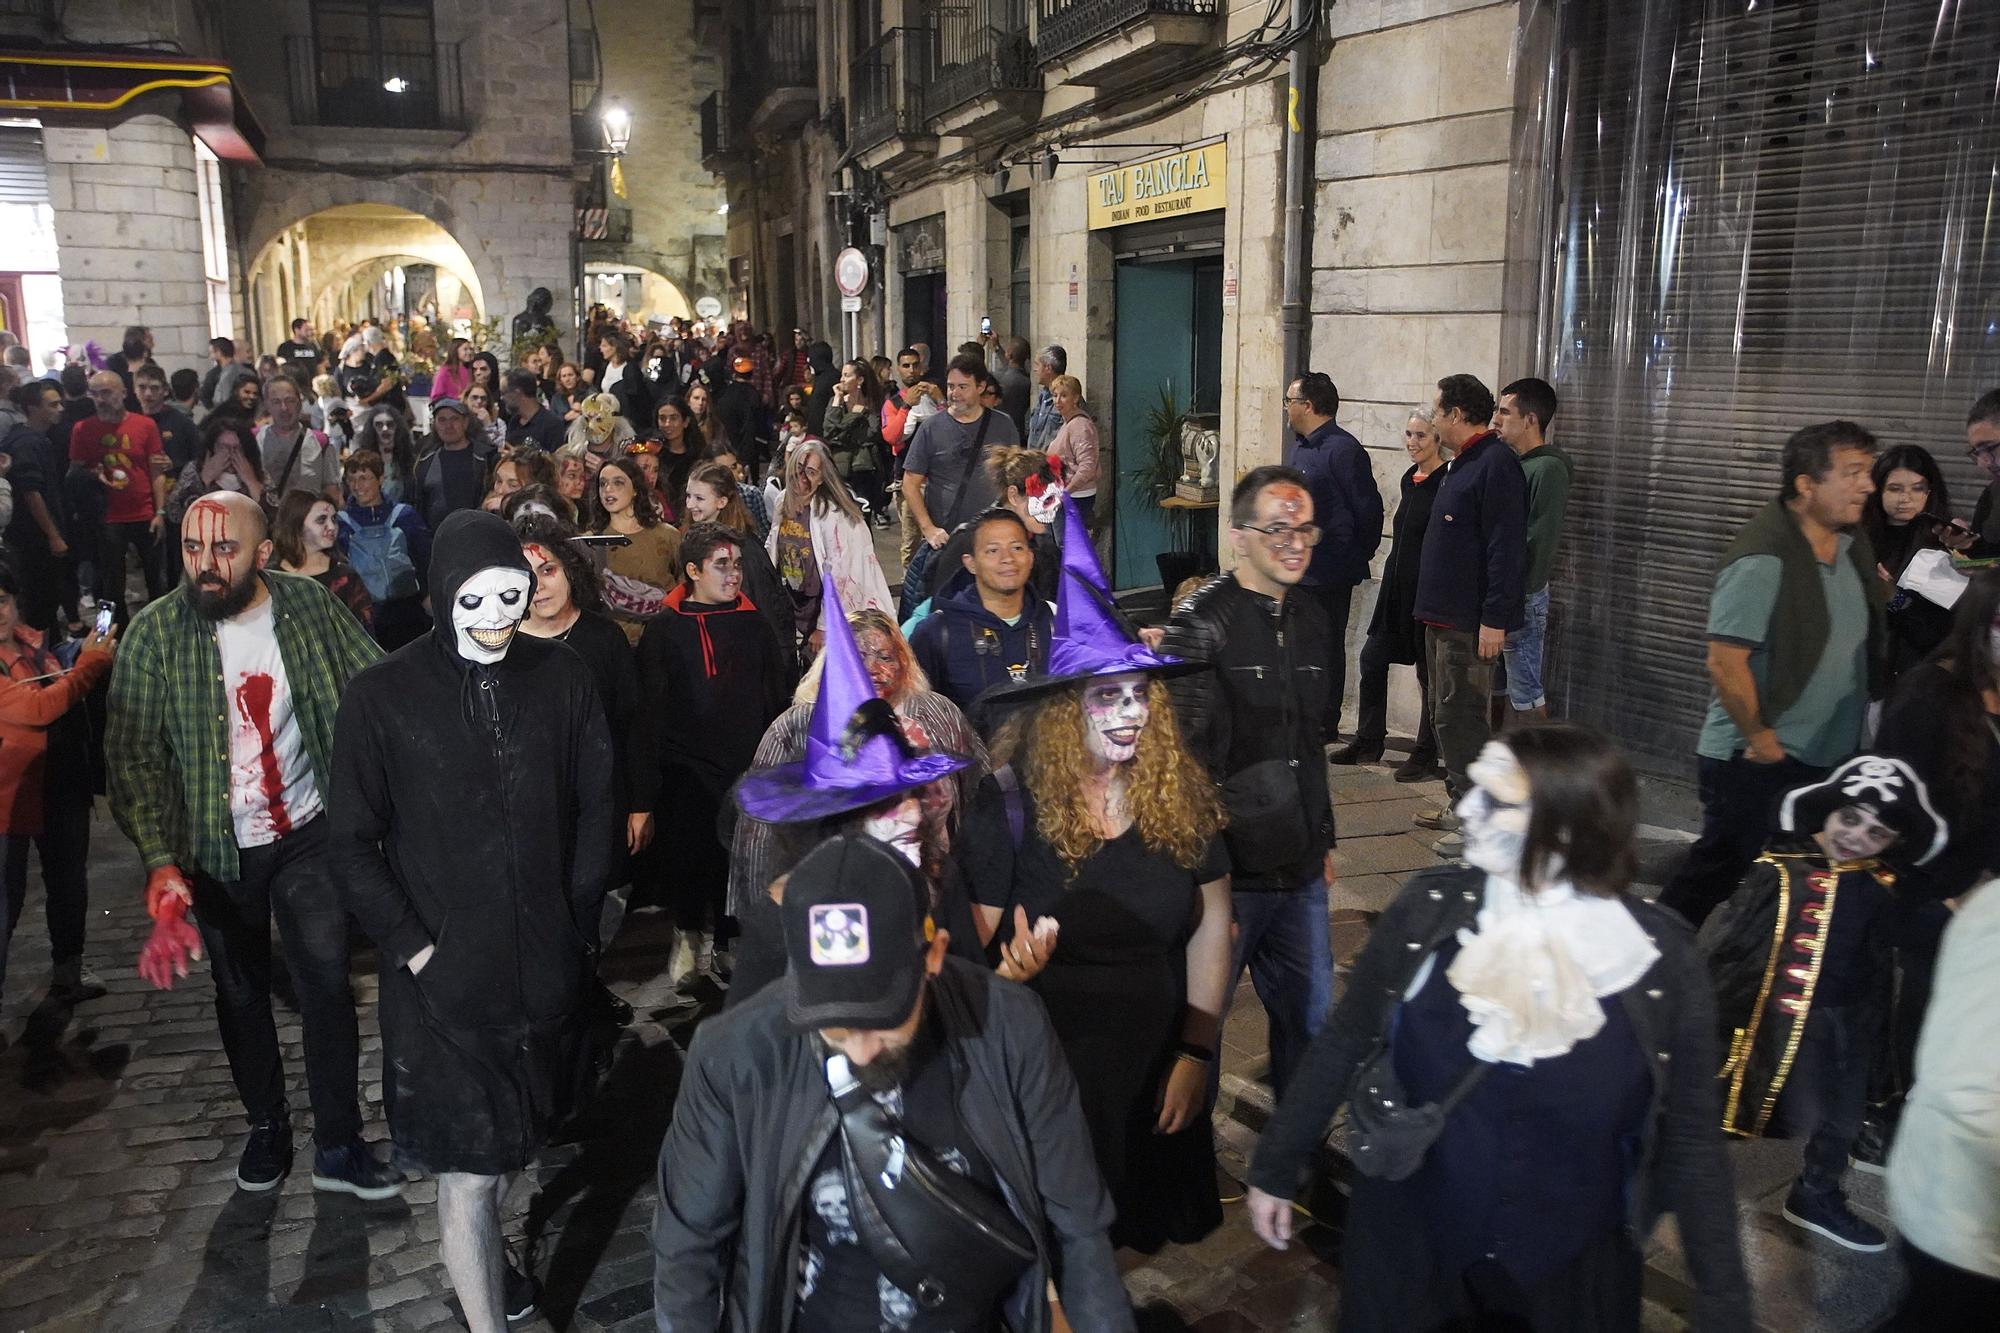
(208, 523)
(253, 701)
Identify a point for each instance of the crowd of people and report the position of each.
(479, 665)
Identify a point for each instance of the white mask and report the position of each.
(1115, 711)
(487, 610)
(1493, 816)
(901, 826)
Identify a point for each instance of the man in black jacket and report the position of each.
(1255, 721)
(756, 1228)
(1469, 588)
(35, 532)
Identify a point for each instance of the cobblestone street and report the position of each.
(119, 1129)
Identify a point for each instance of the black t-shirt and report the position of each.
(545, 430)
(179, 436)
(841, 1289)
(453, 479)
(305, 356)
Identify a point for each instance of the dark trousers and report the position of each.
(1827, 1092)
(1336, 598)
(64, 843)
(1944, 1298)
(289, 879)
(1373, 689)
(113, 539)
(48, 583)
(1461, 686)
(1739, 805)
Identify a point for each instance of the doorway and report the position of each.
(923, 318)
(1168, 345)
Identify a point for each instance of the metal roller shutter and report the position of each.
(1763, 215)
(23, 179)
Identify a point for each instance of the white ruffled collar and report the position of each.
(1531, 973)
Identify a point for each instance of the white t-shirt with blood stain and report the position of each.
(271, 787)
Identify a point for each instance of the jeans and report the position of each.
(1373, 723)
(1337, 599)
(65, 846)
(1282, 935)
(1739, 805)
(291, 880)
(1524, 655)
(113, 539)
(1827, 1092)
(1460, 689)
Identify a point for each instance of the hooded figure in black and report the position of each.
(474, 816)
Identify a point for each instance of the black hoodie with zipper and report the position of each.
(473, 809)
(714, 677)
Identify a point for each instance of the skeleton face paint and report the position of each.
(487, 610)
(1855, 833)
(1493, 816)
(1115, 712)
(900, 825)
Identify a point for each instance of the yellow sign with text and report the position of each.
(1194, 180)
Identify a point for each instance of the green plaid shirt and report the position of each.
(167, 743)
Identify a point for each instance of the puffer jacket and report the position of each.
(1682, 1168)
(754, 1115)
(1261, 702)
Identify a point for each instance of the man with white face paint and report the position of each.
(475, 818)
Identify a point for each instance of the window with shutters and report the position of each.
(214, 241)
(1752, 217)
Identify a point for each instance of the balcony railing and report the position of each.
(982, 47)
(718, 131)
(888, 81)
(778, 50)
(391, 86)
(1067, 25)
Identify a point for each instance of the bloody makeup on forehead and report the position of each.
(208, 525)
(1290, 500)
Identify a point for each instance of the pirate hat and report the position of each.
(1887, 788)
(856, 753)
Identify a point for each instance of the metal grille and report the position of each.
(887, 81)
(23, 177)
(1764, 218)
(1066, 25)
(982, 47)
(350, 83)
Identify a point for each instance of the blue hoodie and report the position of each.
(966, 649)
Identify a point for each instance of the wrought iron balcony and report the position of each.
(776, 59)
(1066, 26)
(887, 81)
(386, 86)
(718, 130)
(983, 48)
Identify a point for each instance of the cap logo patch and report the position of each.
(838, 934)
(1876, 775)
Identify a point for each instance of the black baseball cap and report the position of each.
(856, 919)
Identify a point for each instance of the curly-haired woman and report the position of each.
(1110, 832)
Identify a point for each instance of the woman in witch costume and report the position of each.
(1800, 958)
(858, 772)
(1110, 832)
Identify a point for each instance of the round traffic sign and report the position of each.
(707, 307)
(850, 272)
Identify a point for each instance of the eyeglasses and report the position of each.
(1982, 454)
(1280, 536)
(1300, 401)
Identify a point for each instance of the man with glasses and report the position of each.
(122, 450)
(1254, 721)
(1349, 505)
(1982, 439)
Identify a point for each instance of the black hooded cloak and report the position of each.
(473, 809)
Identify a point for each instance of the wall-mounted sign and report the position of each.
(1073, 287)
(1194, 180)
(707, 307)
(920, 246)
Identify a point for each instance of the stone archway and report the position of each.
(657, 296)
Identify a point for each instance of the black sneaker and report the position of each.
(1871, 1147)
(267, 1157)
(523, 1295)
(1826, 1212)
(1357, 752)
(352, 1169)
(1419, 768)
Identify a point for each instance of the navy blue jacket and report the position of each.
(965, 649)
(1476, 547)
(1347, 505)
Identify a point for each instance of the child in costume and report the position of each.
(1800, 961)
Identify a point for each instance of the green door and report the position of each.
(1155, 349)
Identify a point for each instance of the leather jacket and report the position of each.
(1683, 1166)
(754, 1115)
(1263, 701)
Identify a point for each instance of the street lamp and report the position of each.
(617, 128)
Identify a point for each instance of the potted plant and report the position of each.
(1165, 420)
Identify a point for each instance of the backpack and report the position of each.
(380, 554)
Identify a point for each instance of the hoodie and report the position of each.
(715, 676)
(966, 649)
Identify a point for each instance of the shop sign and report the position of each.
(920, 245)
(1194, 180)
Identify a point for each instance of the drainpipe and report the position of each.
(1295, 315)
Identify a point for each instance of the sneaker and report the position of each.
(1228, 1189)
(1443, 819)
(686, 957)
(1357, 752)
(353, 1169)
(523, 1295)
(1826, 1212)
(267, 1157)
(1871, 1146)
(1451, 845)
(612, 1009)
(1420, 768)
(72, 983)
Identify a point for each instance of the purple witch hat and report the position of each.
(1091, 637)
(856, 753)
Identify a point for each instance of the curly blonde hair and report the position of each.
(1174, 805)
